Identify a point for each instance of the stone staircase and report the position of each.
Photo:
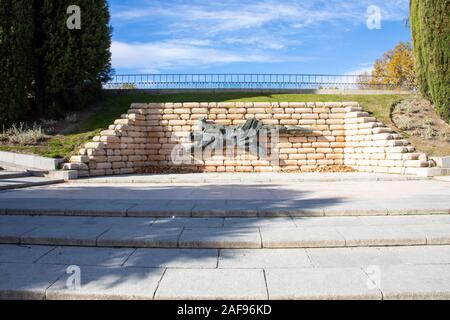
(23, 179)
(357, 257)
(345, 237)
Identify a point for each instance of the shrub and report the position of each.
(21, 135)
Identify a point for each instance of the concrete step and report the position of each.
(42, 272)
(226, 233)
(13, 174)
(26, 182)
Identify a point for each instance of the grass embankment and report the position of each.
(112, 106)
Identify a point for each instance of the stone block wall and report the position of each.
(149, 135)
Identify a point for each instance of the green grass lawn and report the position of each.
(112, 106)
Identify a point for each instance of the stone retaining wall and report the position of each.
(150, 135)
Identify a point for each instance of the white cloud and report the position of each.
(155, 56)
(360, 70)
(210, 32)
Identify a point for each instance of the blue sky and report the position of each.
(244, 36)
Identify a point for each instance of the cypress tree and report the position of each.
(430, 27)
(16, 59)
(74, 63)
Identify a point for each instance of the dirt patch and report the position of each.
(417, 120)
(332, 169)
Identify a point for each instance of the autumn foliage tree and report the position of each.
(394, 70)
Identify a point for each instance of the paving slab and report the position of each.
(415, 282)
(26, 182)
(12, 174)
(216, 284)
(189, 222)
(122, 222)
(100, 283)
(174, 258)
(351, 257)
(22, 254)
(320, 284)
(12, 234)
(30, 206)
(162, 208)
(243, 208)
(223, 238)
(305, 222)
(417, 255)
(210, 208)
(434, 234)
(381, 236)
(404, 220)
(64, 235)
(27, 281)
(264, 258)
(81, 256)
(294, 208)
(100, 207)
(281, 198)
(301, 237)
(259, 222)
(140, 237)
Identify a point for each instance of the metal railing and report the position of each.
(252, 81)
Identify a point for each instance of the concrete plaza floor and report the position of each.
(41, 272)
(235, 195)
(331, 236)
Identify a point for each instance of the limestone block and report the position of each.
(75, 166)
(416, 164)
(124, 121)
(95, 152)
(104, 165)
(334, 156)
(353, 109)
(356, 114)
(305, 150)
(326, 162)
(397, 150)
(110, 133)
(94, 145)
(333, 104)
(315, 156)
(335, 121)
(110, 139)
(397, 170)
(295, 156)
(81, 159)
(386, 163)
(138, 117)
(97, 172)
(321, 144)
(231, 104)
(191, 105)
(305, 122)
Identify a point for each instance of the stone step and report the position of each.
(26, 182)
(199, 208)
(226, 233)
(13, 174)
(42, 272)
